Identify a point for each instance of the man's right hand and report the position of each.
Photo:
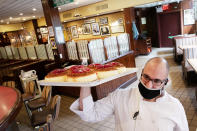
(84, 92)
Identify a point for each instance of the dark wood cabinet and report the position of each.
(143, 46)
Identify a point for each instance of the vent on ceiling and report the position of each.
(101, 7)
(67, 15)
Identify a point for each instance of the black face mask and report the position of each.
(148, 93)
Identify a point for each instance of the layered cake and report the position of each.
(105, 71)
(57, 75)
(120, 67)
(81, 73)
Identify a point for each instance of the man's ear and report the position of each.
(166, 81)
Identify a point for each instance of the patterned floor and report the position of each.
(68, 121)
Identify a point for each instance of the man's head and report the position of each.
(155, 73)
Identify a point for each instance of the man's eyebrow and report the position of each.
(151, 78)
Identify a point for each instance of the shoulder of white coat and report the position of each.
(172, 99)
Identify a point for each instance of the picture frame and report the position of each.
(103, 21)
(88, 21)
(74, 31)
(120, 21)
(105, 30)
(86, 29)
(80, 30)
(189, 17)
(95, 29)
(117, 29)
(53, 43)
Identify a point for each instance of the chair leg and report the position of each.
(29, 113)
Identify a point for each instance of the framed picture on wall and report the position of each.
(95, 29)
(80, 31)
(103, 21)
(54, 46)
(189, 17)
(120, 21)
(105, 30)
(117, 29)
(86, 28)
(74, 32)
(90, 21)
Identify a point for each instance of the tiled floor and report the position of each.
(68, 121)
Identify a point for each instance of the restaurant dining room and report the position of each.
(98, 65)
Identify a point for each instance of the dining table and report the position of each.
(10, 106)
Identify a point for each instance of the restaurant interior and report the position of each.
(39, 36)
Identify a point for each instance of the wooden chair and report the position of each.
(29, 90)
(39, 118)
(42, 101)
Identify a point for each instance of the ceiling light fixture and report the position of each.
(34, 16)
(34, 9)
(59, 8)
(1, 21)
(8, 22)
(10, 18)
(24, 19)
(21, 14)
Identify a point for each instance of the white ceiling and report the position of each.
(12, 8)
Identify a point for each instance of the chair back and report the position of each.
(30, 87)
(46, 94)
(55, 106)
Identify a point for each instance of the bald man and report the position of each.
(146, 108)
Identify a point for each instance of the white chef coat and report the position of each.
(166, 114)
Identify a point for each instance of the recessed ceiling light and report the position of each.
(34, 16)
(21, 14)
(59, 8)
(10, 18)
(34, 9)
(64, 21)
(1, 21)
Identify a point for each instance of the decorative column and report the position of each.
(55, 29)
(129, 17)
